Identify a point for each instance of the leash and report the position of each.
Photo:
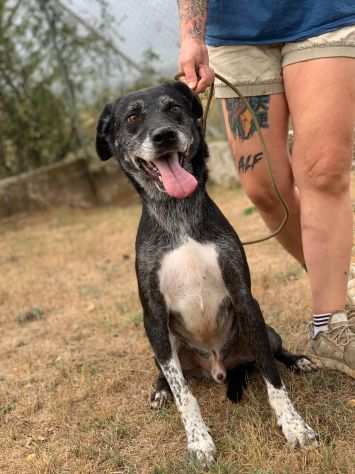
(264, 146)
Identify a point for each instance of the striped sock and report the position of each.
(320, 323)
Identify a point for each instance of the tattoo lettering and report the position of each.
(240, 118)
(248, 162)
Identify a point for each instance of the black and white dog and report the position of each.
(194, 283)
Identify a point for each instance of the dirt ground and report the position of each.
(75, 381)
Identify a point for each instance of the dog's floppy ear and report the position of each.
(192, 98)
(103, 142)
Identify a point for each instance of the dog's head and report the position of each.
(155, 135)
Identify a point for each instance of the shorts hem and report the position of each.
(222, 91)
(318, 52)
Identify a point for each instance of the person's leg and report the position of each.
(321, 98)
(272, 113)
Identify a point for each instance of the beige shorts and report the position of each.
(257, 70)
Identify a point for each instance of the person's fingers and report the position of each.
(190, 74)
(206, 78)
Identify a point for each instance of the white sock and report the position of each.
(320, 323)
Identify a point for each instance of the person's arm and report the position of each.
(193, 58)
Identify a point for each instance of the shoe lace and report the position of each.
(350, 311)
(341, 333)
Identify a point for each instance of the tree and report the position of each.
(49, 58)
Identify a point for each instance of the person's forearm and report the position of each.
(193, 15)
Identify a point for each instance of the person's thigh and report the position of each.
(321, 98)
(256, 71)
(247, 150)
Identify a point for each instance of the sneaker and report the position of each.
(350, 307)
(351, 286)
(350, 311)
(335, 348)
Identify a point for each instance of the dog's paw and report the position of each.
(297, 432)
(202, 448)
(159, 399)
(303, 364)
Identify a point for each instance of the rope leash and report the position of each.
(264, 146)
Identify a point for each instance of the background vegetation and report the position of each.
(51, 61)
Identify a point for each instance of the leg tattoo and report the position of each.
(240, 118)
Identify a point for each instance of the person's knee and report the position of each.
(264, 197)
(325, 169)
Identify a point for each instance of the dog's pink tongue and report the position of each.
(177, 181)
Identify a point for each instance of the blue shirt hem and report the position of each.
(316, 31)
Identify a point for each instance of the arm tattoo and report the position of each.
(240, 119)
(193, 14)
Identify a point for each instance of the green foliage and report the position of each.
(49, 59)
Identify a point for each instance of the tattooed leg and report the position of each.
(272, 114)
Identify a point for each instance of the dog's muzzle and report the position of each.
(167, 168)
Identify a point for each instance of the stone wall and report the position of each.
(72, 184)
(77, 184)
(221, 166)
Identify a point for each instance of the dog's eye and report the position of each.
(202, 353)
(132, 118)
(174, 108)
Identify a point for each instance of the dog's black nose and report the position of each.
(220, 377)
(164, 136)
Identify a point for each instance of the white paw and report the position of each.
(306, 365)
(202, 448)
(297, 432)
(159, 399)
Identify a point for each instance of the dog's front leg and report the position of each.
(199, 442)
(293, 426)
(296, 431)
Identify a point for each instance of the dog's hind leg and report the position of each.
(161, 394)
(295, 362)
(237, 380)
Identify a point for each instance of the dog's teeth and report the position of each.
(135, 163)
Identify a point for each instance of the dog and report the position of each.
(193, 278)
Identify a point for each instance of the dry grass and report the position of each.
(74, 384)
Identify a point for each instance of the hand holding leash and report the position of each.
(193, 61)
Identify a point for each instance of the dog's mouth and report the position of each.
(170, 175)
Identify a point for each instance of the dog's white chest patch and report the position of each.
(192, 284)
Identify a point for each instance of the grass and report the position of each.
(75, 383)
